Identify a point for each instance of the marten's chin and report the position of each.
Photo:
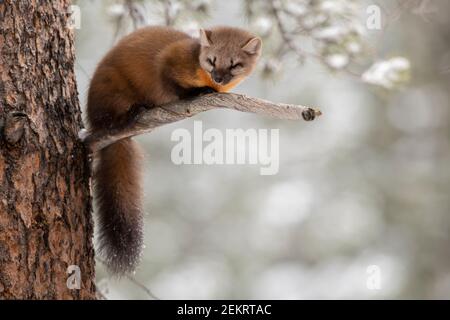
(222, 83)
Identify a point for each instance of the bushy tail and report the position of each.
(117, 185)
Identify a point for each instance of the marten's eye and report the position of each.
(236, 65)
(212, 62)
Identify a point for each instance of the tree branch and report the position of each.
(149, 119)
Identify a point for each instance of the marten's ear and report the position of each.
(253, 46)
(205, 38)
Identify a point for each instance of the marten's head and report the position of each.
(228, 54)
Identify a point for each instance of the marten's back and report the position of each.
(137, 51)
(130, 73)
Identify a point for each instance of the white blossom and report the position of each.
(191, 27)
(263, 26)
(116, 10)
(388, 73)
(330, 33)
(296, 8)
(337, 60)
(337, 6)
(314, 20)
(353, 47)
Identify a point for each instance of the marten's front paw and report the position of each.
(135, 111)
(200, 91)
(196, 92)
(206, 90)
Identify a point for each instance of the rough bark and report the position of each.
(45, 222)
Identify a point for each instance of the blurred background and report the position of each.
(360, 208)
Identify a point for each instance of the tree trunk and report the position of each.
(45, 204)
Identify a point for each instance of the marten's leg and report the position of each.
(134, 112)
(195, 92)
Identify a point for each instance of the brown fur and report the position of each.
(151, 66)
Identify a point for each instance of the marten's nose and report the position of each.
(217, 77)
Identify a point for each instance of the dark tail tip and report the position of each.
(120, 246)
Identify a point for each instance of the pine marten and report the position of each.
(150, 67)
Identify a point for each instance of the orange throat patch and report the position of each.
(205, 80)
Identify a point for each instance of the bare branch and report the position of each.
(132, 280)
(149, 119)
(142, 287)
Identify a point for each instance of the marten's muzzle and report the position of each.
(221, 77)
